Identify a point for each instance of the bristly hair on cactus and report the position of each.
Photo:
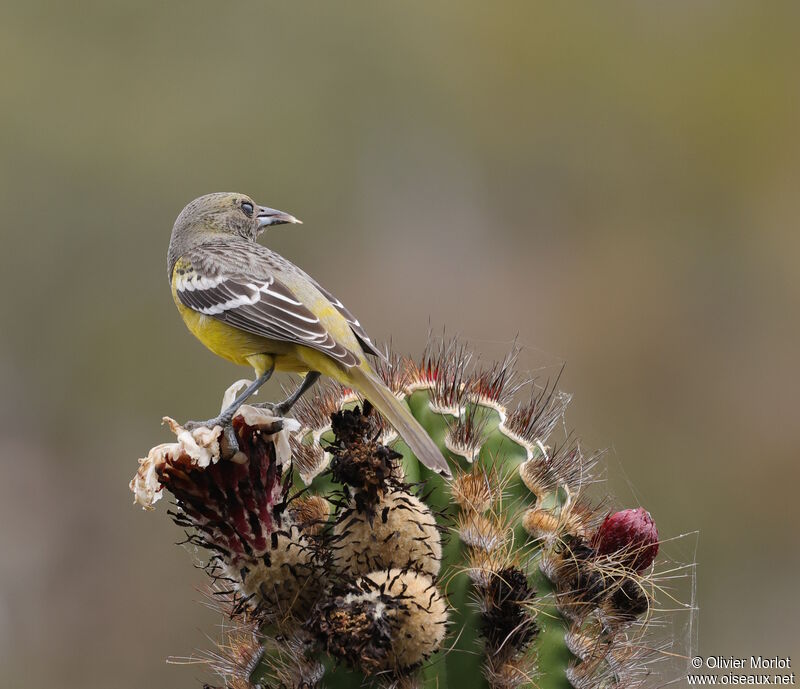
(341, 561)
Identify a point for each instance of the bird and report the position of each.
(249, 305)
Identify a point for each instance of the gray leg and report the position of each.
(226, 415)
(283, 408)
(311, 378)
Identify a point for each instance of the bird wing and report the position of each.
(352, 321)
(254, 301)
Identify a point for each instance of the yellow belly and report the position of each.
(262, 353)
(241, 347)
(246, 349)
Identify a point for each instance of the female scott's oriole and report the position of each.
(253, 307)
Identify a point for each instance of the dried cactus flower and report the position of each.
(340, 560)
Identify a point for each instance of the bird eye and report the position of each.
(247, 208)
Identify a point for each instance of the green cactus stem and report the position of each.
(354, 564)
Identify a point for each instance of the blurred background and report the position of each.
(617, 188)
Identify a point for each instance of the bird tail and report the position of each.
(398, 414)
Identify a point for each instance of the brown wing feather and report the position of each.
(256, 304)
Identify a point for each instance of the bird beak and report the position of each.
(269, 216)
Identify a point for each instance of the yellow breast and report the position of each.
(248, 349)
(235, 345)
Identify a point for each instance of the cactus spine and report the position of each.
(382, 571)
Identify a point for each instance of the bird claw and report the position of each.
(230, 445)
(210, 423)
(222, 421)
(277, 409)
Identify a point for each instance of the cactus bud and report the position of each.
(347, 580)
(630, 536)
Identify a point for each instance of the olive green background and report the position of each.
(617, 184)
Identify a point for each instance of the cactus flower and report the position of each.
(341, 561)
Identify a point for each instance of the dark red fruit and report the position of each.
(630, 536)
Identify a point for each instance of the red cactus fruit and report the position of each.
(631, 536)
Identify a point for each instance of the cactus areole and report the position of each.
(341, 561)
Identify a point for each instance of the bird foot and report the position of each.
(278, 409)
(230, 443)
(222, 420)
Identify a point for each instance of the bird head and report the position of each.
(229, 213)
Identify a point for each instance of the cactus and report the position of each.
(343, 561)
